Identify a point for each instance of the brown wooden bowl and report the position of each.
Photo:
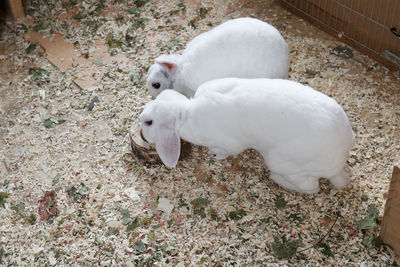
(147, 154)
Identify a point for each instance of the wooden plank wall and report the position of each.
(17, 10)
(390, 230)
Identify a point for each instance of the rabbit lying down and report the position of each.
(302, 134)
(242, 48)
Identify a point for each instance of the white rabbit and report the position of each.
(241, 48)
(302, 133)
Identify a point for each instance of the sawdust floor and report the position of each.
(103, 207)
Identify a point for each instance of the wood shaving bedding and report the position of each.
(223, 213)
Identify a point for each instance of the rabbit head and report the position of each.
(160, 122)
(161, 75)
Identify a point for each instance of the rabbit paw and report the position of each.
(218, 153)
(306, 185)
(341, 180)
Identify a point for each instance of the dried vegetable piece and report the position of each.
(48, 206)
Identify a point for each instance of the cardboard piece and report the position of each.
(87, 71)
(390, 231)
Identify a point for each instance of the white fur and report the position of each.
(302, 133)
(241, 48)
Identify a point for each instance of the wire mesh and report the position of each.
(371, 24)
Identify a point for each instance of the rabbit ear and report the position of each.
(170, 62)
(168, 146)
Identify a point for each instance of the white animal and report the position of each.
(302, 133)
(241, 48)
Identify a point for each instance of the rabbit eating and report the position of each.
(302, 134)
(242, 48)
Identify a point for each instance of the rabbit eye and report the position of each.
(149, 122)
(156, 85)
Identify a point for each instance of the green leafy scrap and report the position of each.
(113, 42)
(120, 19)
(139, 23)
(371, 241)
(22, 27)
(140, 246)
(152, 238)
(203, 260)
(364, 197)
(192, 23)
(78, 192)
(30, 48)
(134, 11)
(79, 16)
(213, 214)
(280, 202)
(130, 39)
(370, 220)
(49, 123)
(372, 210)
(3, 196)
(200, 202)
(19, 208)
(134, 224)
(1, 254)
(65, 25)
(237, 214)
(156, 226)
(140, 3)
(202, 12)
(92, 26)
(108, 251)
(168, 248)
(31, 219)
(112, 231)
(96, 241)
(182, 8)
(199, 205)
(147, 221)
(311, 72)
(57, 254)
(387, 264)
(125, 216)
(39, 74)
(367, 223)
(325, 249)
(283, 248)
(200, 212)
(39, 26)
(98, 62)
(99, 8)
(136, 78)
(50, 204)
(295, 217)
(56, 179)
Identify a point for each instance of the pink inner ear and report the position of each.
(168, 65)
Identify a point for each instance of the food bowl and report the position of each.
(146, 153)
